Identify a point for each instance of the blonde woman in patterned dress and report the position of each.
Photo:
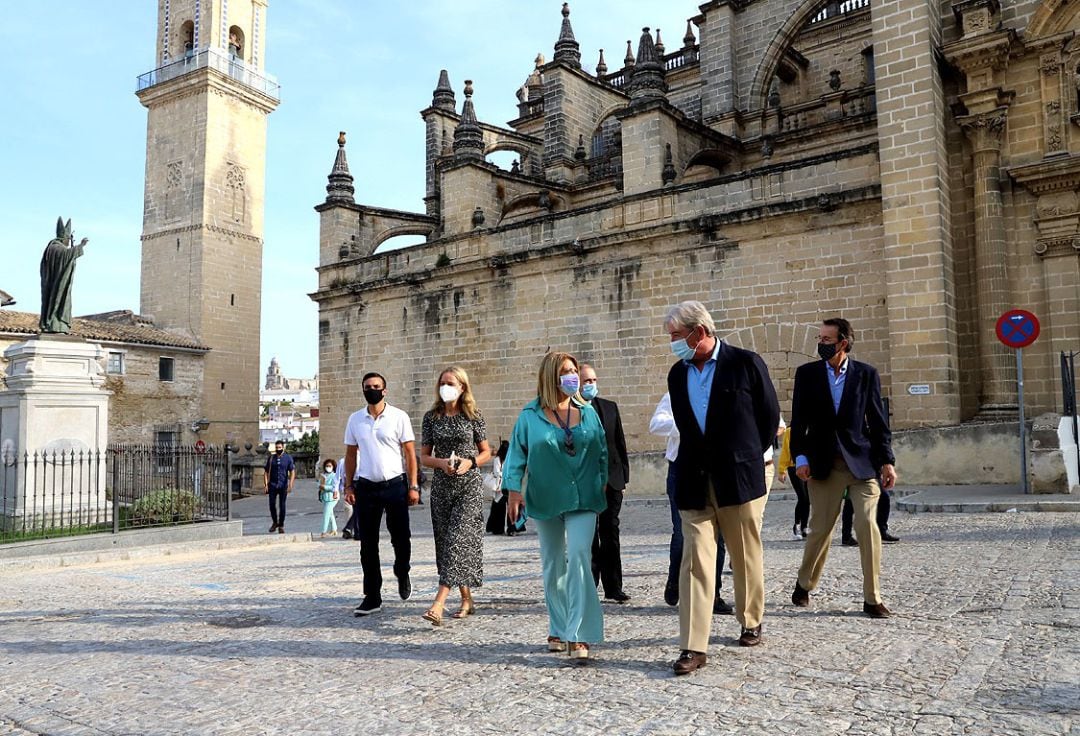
(454, 444)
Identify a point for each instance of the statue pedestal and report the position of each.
(54, 415)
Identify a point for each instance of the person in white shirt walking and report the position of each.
(380, 458)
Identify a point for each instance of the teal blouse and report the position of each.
(558, 482)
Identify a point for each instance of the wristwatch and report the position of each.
(414, 488)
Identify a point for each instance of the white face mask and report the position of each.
(329, 469)
(449, 394)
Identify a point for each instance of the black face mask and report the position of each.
(373, 395)
(827, 350)
(280, 450)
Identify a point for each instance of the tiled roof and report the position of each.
(132, 332)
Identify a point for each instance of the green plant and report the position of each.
(164, 507)
(308, 443)
(442, 260)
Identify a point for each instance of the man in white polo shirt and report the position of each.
(379, 452)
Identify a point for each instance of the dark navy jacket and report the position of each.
(740, 423)
(618, 459)
(859, 431)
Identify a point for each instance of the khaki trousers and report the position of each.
(826, 500)
(741, 528)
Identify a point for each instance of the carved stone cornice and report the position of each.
(1056, 183)
(986, 52)
(1056, 42)
(1052, 175)
(985, 129)
(1057, 247)
(204, 226)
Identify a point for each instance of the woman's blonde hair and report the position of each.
(466, 402)
(547, 379)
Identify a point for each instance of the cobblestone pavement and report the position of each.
(986, 640)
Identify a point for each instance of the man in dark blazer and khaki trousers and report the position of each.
(841, 441)
(725, 409)
(606, 551)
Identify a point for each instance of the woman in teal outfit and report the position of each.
(559, 441)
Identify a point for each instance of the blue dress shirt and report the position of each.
(836, 386)
(699, 386)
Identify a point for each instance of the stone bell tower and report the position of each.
(207, 100)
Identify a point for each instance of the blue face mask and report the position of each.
(588, 391)
(681, 350)
(569, 384)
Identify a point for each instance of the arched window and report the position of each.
(504, 159)
(398, 242)
(236, 43)
(605, 156)
(187, 38)
(868, 65)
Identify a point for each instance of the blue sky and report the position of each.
(73, 133)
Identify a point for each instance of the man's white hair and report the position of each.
(690, 314)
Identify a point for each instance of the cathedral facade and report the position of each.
(912, 167)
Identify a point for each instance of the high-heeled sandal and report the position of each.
(555, 644)
(467, 609)
(434, 615)
(578, 650)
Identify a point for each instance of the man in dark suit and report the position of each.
(606, 556)
(841, 441)
(726, 412)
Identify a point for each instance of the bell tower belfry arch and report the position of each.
(207, 100)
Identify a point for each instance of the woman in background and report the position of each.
(328, 497)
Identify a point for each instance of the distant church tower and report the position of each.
(207, 102)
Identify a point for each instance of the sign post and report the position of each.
(1017, 329)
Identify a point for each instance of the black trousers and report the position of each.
(847, 518)
(606, 552)
(277, 505)
(496, 521)
(372, 501)
(802, 505)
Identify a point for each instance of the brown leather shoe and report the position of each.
(800, 596)
(876, 610)
(688, 661)
(281, 529)
(750, 637)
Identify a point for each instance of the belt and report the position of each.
(379, 484)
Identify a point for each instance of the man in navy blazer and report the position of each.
(841, 441)
(606, 549)
(725, 409)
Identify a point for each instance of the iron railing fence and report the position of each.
(53, 493)
(1068, 396)
(218, 60)
(68, 492)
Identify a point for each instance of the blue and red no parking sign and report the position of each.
(1017, 328)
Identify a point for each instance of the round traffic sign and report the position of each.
(1017, 328)
(200, 447)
